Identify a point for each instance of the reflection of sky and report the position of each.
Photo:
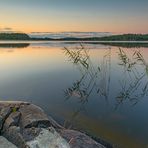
(20, 63)
(79, 15)
(42, 74)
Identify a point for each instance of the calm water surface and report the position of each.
(99, 89)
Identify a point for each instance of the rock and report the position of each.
(12, 120)
(6, 108)
(33, 116)
(4, 143)
(26, 125)
(14, 135)
(4, 113)
(20, 125)
(48, 138)
(55, 124)
(79, 140)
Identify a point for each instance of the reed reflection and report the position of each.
(92, 77)
(132, 83)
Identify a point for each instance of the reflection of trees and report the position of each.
(125, 44)
(133, 84)
(116, 44)
(14, 45)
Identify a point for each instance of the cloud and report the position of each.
(7, 29)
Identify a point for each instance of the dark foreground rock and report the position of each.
(27, 126)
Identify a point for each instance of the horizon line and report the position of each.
(44, 32)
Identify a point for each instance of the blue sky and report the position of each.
(75, 15)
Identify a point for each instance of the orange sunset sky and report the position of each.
(117, 16)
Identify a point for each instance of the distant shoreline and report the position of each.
(112, 38)
(66, 41)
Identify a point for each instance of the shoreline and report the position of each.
(67, 41)
(25, 124)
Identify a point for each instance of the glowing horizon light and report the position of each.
(79, 16)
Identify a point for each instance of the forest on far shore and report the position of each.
(123, 37)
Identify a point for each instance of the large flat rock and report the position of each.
(48, 138)
(79, 140)
(33, 116)
(26, 125)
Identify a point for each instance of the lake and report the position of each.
(101, 89)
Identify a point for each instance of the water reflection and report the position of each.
(126, 44)
(14, 45)
(132, 83)
(123, 44)
(100, 86)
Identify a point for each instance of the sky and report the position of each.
(117, 16)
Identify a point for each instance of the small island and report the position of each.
(14, 36)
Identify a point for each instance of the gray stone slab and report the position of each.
(26, 125)
(33, 116)
(77, 139)
(48, 138)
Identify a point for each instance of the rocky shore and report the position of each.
(25, 125)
